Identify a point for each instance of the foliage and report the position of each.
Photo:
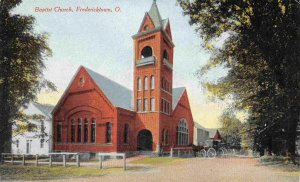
(22, 52)
(231, 128)
(262, 55)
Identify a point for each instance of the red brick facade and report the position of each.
(150, 124)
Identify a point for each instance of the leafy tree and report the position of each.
(231, 130)
(22, 52)
(262, 55)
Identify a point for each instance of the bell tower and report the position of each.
(153, 64)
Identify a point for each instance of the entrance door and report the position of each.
(144, 140)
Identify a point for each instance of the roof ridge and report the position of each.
(106, 78)
(116, 93)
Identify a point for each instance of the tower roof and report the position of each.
(154, 15)
(159, 23)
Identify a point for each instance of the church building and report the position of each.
(96, 114)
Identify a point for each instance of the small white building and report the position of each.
(33, 142)
(200, 134)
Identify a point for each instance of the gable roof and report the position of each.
(197, 125)
(212, 132)
(177, 93)
(118, 95)
(46, 109)
(217, 136)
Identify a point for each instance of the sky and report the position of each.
(103, 42)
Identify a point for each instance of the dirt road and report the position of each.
(204, 170)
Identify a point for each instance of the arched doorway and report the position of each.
(144, 140)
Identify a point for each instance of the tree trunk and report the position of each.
(5, 124)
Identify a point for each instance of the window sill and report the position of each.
(165, 113)
(145, 112)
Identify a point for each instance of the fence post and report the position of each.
(100, 161)
(23, 160)
(12, 159)
(178, 153)
(64, 160)
(50, 160)
(77, 160)
(124, 157)
(1, 159)
(36, 159)
(171, 153)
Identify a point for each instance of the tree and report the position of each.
(262, 54)
(22, 52)
(231, 130)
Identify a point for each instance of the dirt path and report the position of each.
(204, 170)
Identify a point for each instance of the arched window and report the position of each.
(126, 133)
(79, 130)
(146, 83)
(167, 137)
(146, 52)
(152, 104)
(93, 131)
(152, 82)
(138, 105)
(145, 104)
(139, 84)
(108, 132)
(166, 55)
(59, 132)
(182, 133)
(72, 130)
(85, 130)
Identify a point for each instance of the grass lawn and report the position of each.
(158, 160)
(18, 172)
(283, 165)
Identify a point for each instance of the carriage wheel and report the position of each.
(202, 153)
(211, 153)
(221, 152)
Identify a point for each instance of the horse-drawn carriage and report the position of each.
(211, 148)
